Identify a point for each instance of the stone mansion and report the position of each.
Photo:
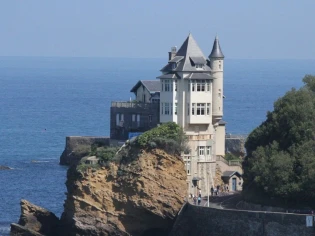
(189, 92)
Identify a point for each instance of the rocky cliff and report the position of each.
(139, 192)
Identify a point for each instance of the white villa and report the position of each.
(190, 93)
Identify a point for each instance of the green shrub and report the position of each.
(168, 136)
(106, 153)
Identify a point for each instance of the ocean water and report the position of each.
(43, 100)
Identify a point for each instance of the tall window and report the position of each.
(162, 108)
(193, 108)
(176, 85)
(171, 110)
(175, 112)
(200, 109)
(138, 120)
(201, 85)
(167, 109)
(208, 109)
(193, 85)
(208, 86)
(166, 85)
(162, 82)
(208, 150)
(188, 109)
(201, 150)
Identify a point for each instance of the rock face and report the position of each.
(139, 193)
(35, 220)
(236, 145)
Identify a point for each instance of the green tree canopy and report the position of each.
(280, 158)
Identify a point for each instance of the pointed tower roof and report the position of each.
(216, 49)
(187, 56)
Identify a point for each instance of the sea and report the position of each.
(45, 99)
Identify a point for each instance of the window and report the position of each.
(117, 119)
(138, 120)
(193, 108)
(200, 109)
(199, 66)
(133, 117)
(162, 108)
(208, 86)
(193, 85)
(167, 109)
(201, 150)
(176, 85)
(188, 109)
(150, 118)
(208, 109)
(167, 85)
(188, 167)
(219, 64)
(171, 110)
(174, 66)
(162, 82)
(175, 112)
(208, 151)
(201, 85)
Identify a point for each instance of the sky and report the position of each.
(247, 29)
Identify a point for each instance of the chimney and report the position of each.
(172, 53)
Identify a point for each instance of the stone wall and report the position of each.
(80, 146)
(194, 220)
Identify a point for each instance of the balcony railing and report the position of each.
(134, 105)
(199, 137)
(230, 163)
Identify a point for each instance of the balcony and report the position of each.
(135, 105)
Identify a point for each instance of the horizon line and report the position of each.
(154, 58)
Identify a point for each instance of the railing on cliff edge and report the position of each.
(229, 163)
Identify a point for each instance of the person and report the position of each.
(195, 199)
(227, 188)
(215, 191)
(212, 190)
(224, 188)
(199, 192)
(199, 201)
(218, 188)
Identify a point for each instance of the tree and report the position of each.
(280, 159)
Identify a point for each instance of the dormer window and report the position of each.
(174, 65)
(199, 66)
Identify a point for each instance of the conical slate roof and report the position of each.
(187, 56)
(216, 49)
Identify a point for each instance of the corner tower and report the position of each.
(216, 58)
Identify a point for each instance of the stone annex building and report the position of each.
(190, 93)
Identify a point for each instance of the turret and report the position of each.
(216, 58)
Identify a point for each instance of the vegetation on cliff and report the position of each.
(168, 136)
(280, 160)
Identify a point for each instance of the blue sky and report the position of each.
(147, 29)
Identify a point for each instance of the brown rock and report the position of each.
(139, 193)
(35, 220)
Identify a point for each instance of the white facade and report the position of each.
(191, 95)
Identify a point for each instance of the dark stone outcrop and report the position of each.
(5, 168)
(35, 220)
